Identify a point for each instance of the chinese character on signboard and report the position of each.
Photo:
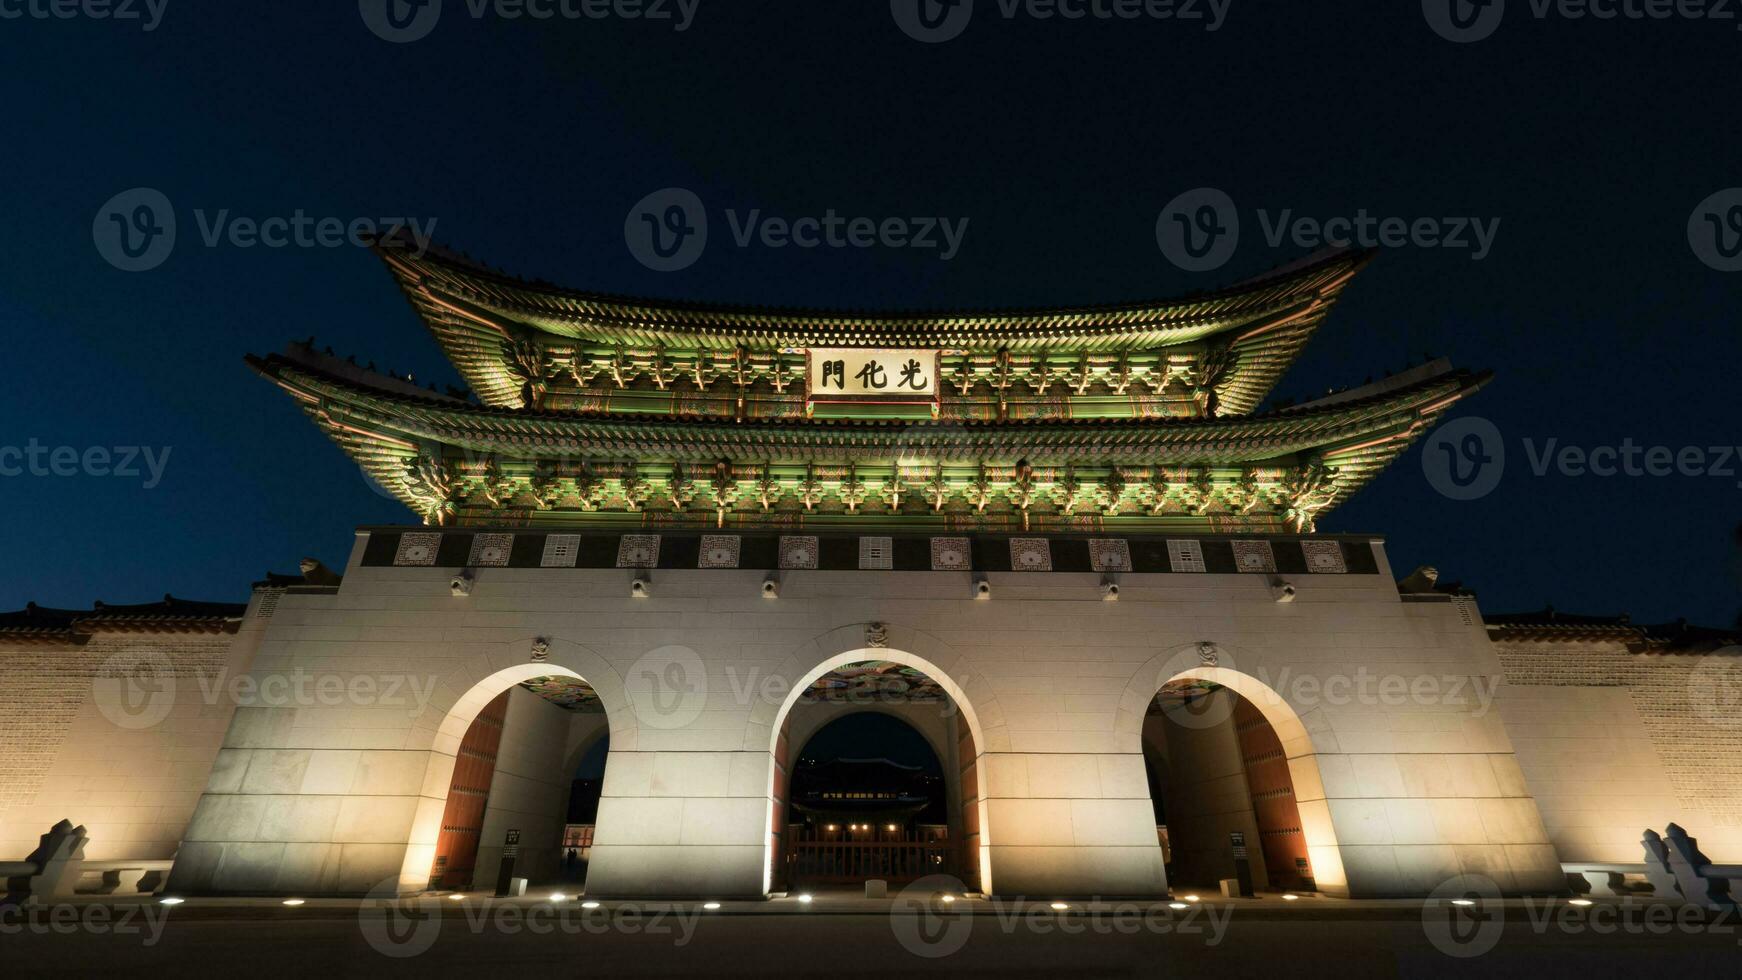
(856, 373)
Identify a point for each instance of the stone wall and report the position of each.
(1614, 742)
(117, 734)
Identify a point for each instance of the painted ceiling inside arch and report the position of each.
(567, 693)
(1181, 695)
(587, 409)
(874, 681)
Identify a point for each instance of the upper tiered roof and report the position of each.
(513, 339)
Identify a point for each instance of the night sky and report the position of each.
(1061, 141)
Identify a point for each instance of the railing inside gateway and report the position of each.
(852, 860)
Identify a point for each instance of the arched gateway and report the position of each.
(727, 504)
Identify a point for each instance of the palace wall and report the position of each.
(1404, 775)
(117, 734)
(1614, 742)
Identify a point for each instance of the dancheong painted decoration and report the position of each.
(595, 410)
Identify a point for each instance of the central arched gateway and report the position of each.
(971, 852)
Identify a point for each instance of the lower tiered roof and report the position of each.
(455, 462)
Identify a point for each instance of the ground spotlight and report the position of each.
(1291, 898)
(291, 901)
(171, 901)
(1059, 906)
(804, 899)
(1178, 905)
(589, 905)
(710, 906)
(1581, 902)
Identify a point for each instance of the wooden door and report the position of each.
(468, 792)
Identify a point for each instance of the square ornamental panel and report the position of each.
(1110, 555)
(950, 555)
(560, 551)
(491, 551)
(638, 551)
(720, 551)
(1324, 557)
(798, 551)
(1254, 556)
(417, 549)
(876, 553)
(1030, 555)
(1186, 556)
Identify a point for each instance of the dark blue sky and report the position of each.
(1060, 141)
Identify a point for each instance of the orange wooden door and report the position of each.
(1273, 803)
(468, 792)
